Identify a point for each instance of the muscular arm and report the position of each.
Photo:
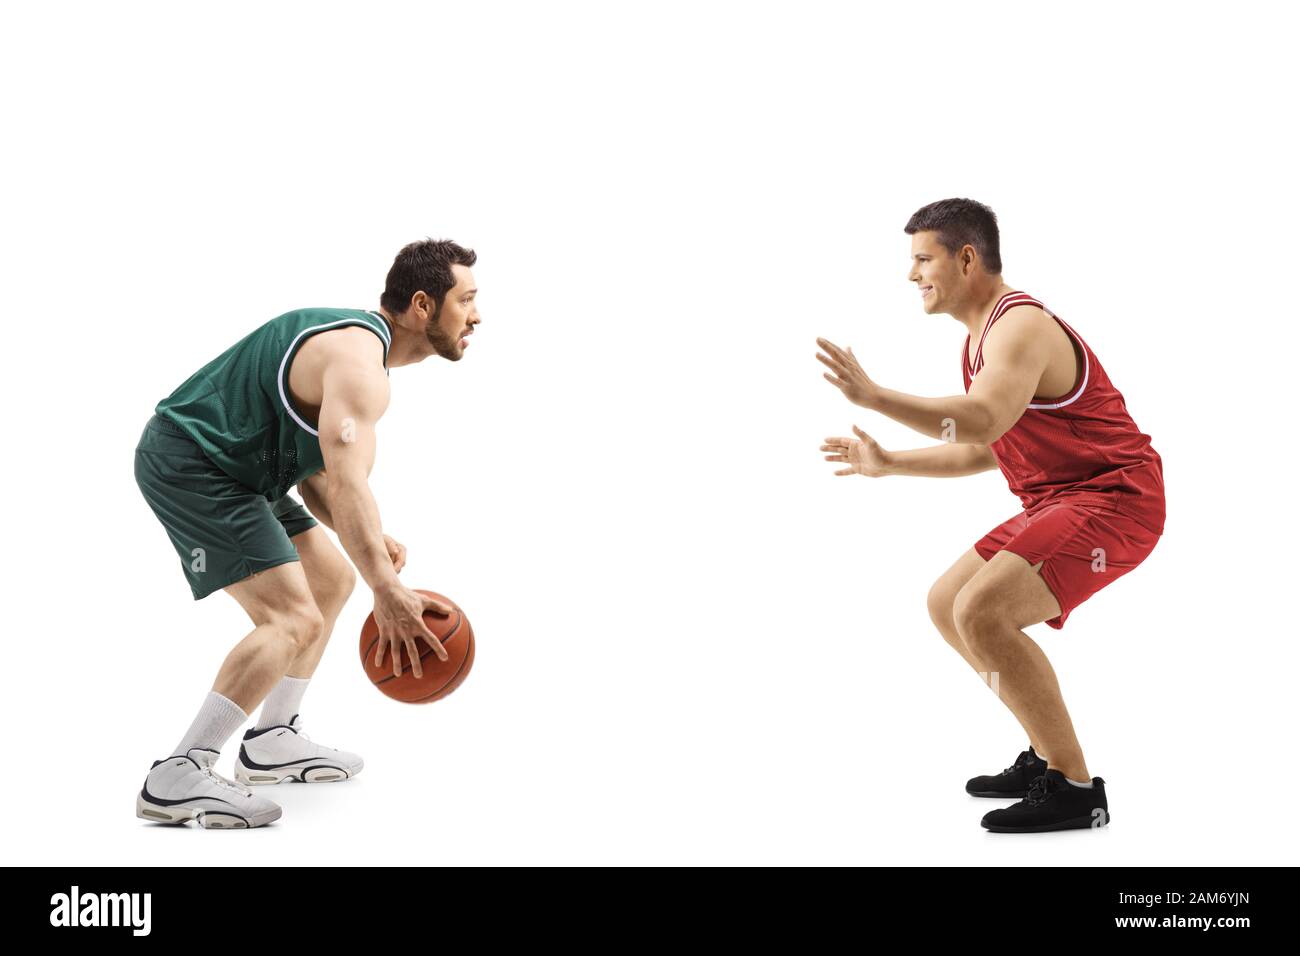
(355, 396)
(1016, 353)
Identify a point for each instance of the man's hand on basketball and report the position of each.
(396, 551)
(399, 614)
(862, 455)
(846, 374)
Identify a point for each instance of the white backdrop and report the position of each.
(695, 645)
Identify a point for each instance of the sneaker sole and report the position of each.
(1009, 794)
(1077, 823)
(207, 819)
(268, 778)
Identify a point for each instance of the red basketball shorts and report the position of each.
(1084, 544)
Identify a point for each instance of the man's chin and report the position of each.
(452, 352)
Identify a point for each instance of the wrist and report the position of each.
(388, 586)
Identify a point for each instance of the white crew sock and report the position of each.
(1079, 783)
(218, 718)
(282, 703)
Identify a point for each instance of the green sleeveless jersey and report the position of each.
(238, 408)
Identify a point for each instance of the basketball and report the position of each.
(439, 678)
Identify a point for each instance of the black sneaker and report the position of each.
(1012, 782)
(1053, 803)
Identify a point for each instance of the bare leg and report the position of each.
(286, 624)
(990, 610)
(941, 599)
(331, 579)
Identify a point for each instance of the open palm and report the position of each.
(863, 455)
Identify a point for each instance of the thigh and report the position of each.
(945, 589)
(275, 593)
(1010, 589)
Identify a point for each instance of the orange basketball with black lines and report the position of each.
(439, 678)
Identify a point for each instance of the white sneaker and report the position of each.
(185, 787)
(284, 752)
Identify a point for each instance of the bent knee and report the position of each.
(301, 626)
(338, 587)
(939, 602)
(975, 614)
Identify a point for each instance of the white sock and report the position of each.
(218, 718)
(1080, 784)
(282, 703)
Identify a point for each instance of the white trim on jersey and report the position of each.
(1083, 350)
(383, 330)
(279, 376)
(998, 310)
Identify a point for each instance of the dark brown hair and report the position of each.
(961, 222)
(424, 266)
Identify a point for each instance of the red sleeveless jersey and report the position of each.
(1083, 444)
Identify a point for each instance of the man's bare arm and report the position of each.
(864, 456)
(355, 396)
(1015, 356)
(941, 461)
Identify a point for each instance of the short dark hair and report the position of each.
(961, 222)
(423, 266)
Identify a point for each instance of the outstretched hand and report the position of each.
(863, 455)
(846, 374)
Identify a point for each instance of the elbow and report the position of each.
(983, 429)
(343, 488)
(984, 426)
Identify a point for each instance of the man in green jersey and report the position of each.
(295, 402)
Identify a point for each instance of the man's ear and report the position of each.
(422, 301)
(967, 260)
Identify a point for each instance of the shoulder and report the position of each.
(353, 382)
(1020, 327)
(351, 339)
(347, 343)
(349, 361)
(1021, 338)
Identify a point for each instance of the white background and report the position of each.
(695, 645)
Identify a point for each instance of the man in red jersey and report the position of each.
(1040, 407)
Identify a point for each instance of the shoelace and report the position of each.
(228, 784)
(298, 729)
(305, 737)
(1023, 760)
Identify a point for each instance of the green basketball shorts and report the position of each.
(221, 530)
